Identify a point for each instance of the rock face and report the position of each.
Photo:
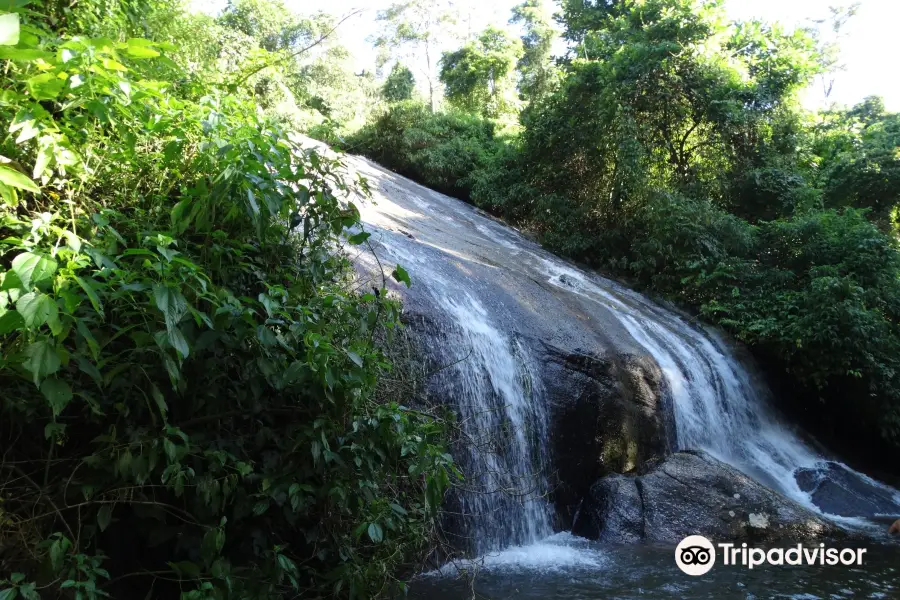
(837, 491)
(606, 416)
(692, 493)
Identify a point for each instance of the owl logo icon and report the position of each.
(695, 555)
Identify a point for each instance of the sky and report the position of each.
(868, 41)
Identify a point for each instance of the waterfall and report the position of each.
(491, 380)
(718, 406)
(487, 290)
(500, 404)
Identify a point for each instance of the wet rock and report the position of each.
(606, 416)
(692, 493)
(838, 491)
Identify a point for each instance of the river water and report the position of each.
(567, 568)
(491, 293)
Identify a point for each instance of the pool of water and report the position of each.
(565, 567)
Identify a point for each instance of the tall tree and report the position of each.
(478, 76)
(535, 67)
(414, 31)
(399, 85)
(672, 97)
(269, 22)
(856, 159)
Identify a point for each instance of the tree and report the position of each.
(478, 76)
(856, 158)
(399, 85)
(415, 30)
(671, 98)
(269, 22)
(536, 71)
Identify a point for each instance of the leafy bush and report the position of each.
(824, 300)
(439, 150)
(187, 376)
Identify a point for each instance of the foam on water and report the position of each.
(558, 552)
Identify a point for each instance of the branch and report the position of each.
(321, 39)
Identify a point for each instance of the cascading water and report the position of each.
(718, 407)
(490, 379)
(493, 287)
(499, 402)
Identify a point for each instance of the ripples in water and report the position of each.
(565, 567)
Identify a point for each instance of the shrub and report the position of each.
(440, 150)
(187, 376)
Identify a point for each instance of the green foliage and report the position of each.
(478, 77)
(536, 71)
(188, 379)
(439, 149)
(857, 157)
(399, 85)
(268, 22)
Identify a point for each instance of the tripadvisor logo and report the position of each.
(696, 555)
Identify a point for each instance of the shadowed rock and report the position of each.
(606, 416)
(692, 493)
(838, 491)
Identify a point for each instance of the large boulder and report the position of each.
(606, 416)
(692, 493)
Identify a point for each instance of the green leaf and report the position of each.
(359, 238)
(11, 281)
(24, 54)
(45, 86)
(171, 303)
(58, 394)
(265, 336)
(91, 294)
(42, 359)
(58, 551)
(9, 29)
(178, 341)
(37, 309)
(179, 222)
(253, 204)
(356, 358)
(33, 269)
(104, 516)
(88, 337)
(54, 430)
(400, 274)
(138, 48)
(113, 65)
(15, 179)
(9, 594)
(159, 399)
(375, 533)
(11, 321)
